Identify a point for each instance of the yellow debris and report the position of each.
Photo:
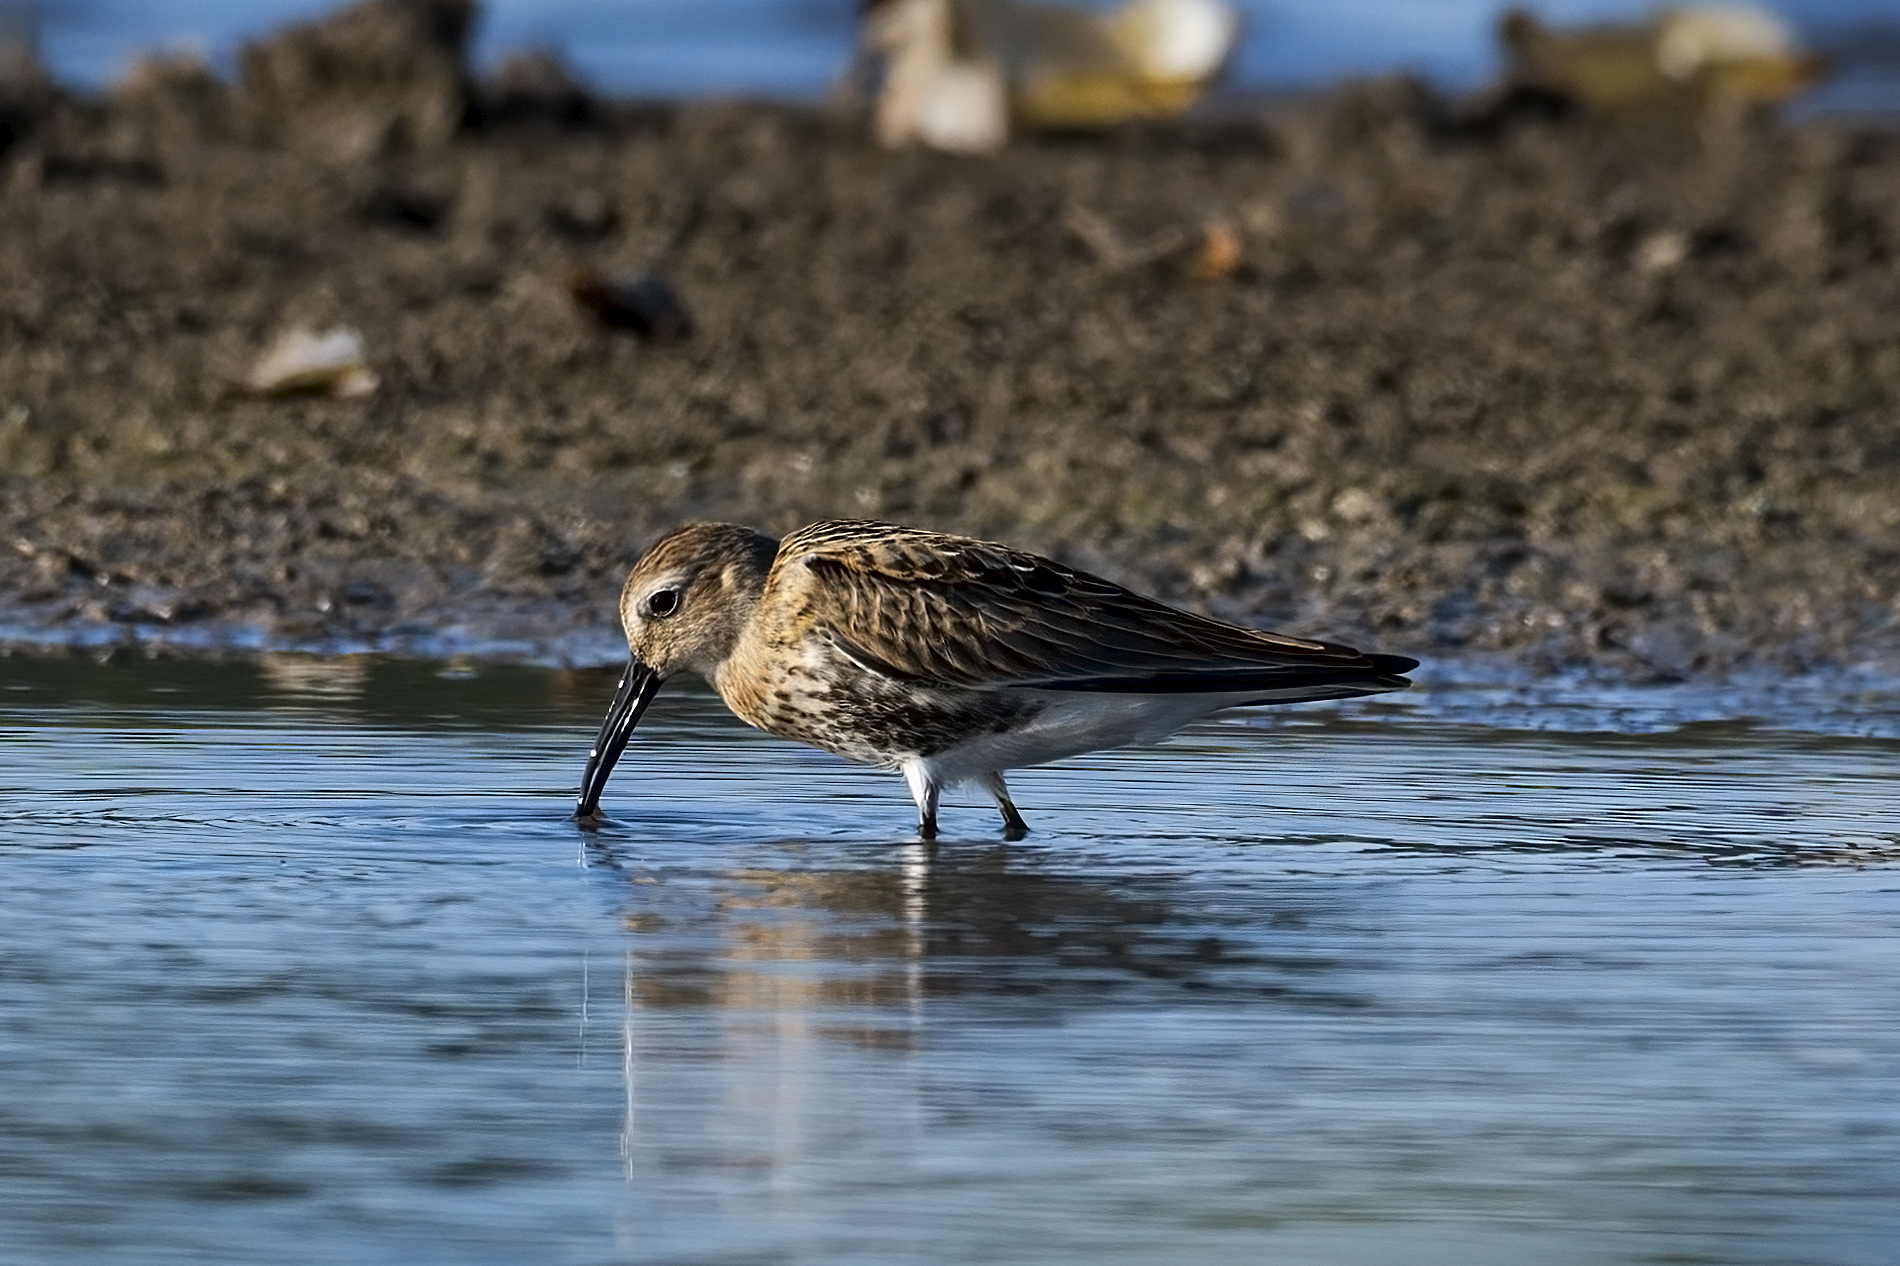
(1691, 62)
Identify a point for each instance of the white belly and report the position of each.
(1073, 722)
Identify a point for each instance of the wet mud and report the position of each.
(1567, 392)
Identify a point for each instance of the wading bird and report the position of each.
(948, 659)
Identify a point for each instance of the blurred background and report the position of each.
(404, 325)
(794, 48)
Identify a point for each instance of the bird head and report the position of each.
(687, 599)
(683, 608)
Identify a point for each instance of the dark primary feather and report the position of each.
(945, 610)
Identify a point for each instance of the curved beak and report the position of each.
(637, 687)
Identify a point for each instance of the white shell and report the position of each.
(1178, 39)
(1693, 38)
(330, 362)
(964, 109)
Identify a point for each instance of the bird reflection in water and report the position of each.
(771, 1012)
(763, 977)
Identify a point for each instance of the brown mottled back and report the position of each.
(943, 610)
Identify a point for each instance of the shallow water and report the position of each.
(303, 962)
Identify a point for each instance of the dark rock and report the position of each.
(87, 169)
(535, 87)
(27, 92)
(367, 593)
(646, 306)
(402, 207)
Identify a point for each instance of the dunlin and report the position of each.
(947, 658)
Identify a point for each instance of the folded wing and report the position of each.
(946, 610)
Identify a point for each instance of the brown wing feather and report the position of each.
(947, 610)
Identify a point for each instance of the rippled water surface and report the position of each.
(302, 962)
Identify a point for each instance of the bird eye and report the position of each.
(663, 602)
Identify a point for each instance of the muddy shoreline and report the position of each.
(1569, 394)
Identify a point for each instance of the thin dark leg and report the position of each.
(927, 824)
(1014, 828)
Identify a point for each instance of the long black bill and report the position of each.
(636, 690)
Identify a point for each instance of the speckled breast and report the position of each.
(818, 697)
